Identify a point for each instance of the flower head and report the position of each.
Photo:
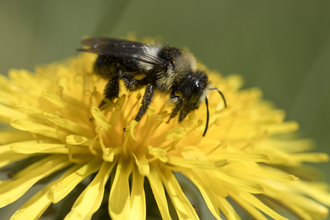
(248, 154)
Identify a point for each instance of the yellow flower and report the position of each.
(247, 155)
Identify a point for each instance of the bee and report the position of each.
(161, 69)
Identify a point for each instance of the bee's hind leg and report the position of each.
(130, 82)
(147, 98)
(111, 90)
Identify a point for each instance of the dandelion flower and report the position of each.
(248, 155)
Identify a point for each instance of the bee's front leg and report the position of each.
(177, 100)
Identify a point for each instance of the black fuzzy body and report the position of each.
(162, 69)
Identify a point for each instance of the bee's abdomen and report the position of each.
(107, 66)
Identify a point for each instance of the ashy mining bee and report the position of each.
(163, 69)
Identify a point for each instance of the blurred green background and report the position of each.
(282, 47)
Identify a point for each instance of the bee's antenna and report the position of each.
(207, 116)
(223, 97)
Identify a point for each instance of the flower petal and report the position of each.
(159, 153)
(31, 148)
(5, 148)
(159, 193)
(35, 206)
(226, 209)
(240, 196)
(67, 184)
(14, 136)
(283, 128)
(100, 118)
(11, 157)
(242, 157)
(75, 109)
(7, 113)
(138, 201)
(90, 200)
(142, 164)
(80, 140)
(30, 110)
(182, 205)
(119, 200)
(206, 193)
(39, 129)
(249, 208)
(310, 157)
(309, 189)
(11, 190)
(68, 125)
(195, 164)
(249, 186)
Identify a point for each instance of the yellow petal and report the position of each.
(30, 110)
(226, 209)
(158, 153)
(68, 125)
(206, 193)
(67, 184)
(214, 185)
(283, 128)
(310, 157)
(14, 136)
(30, 148)
(159, 193)
(11, 190)
(117, 111)
(100, 118)
(90, 200)
(247, 185)
(289, 146)
(195, 164)
(26, 78)
(36, 206)
(39, 129)
(241, 157)
(7, 113)
(294, 199)
(33, 208)
(255, 213)
(72, 106)
(119, 200)
(311, 190)
(130, 129)
(80, 140)
(142, 164)
(5, 148)
(11, 157)
(138, 201)
(181, 204)
(252, 200)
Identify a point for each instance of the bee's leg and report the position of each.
(183, 114)
(131, 83)
(178, 106)
(147, 98)
(111, 90)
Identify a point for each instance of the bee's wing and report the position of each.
(104, 46)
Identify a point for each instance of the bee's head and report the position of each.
(195, 89)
